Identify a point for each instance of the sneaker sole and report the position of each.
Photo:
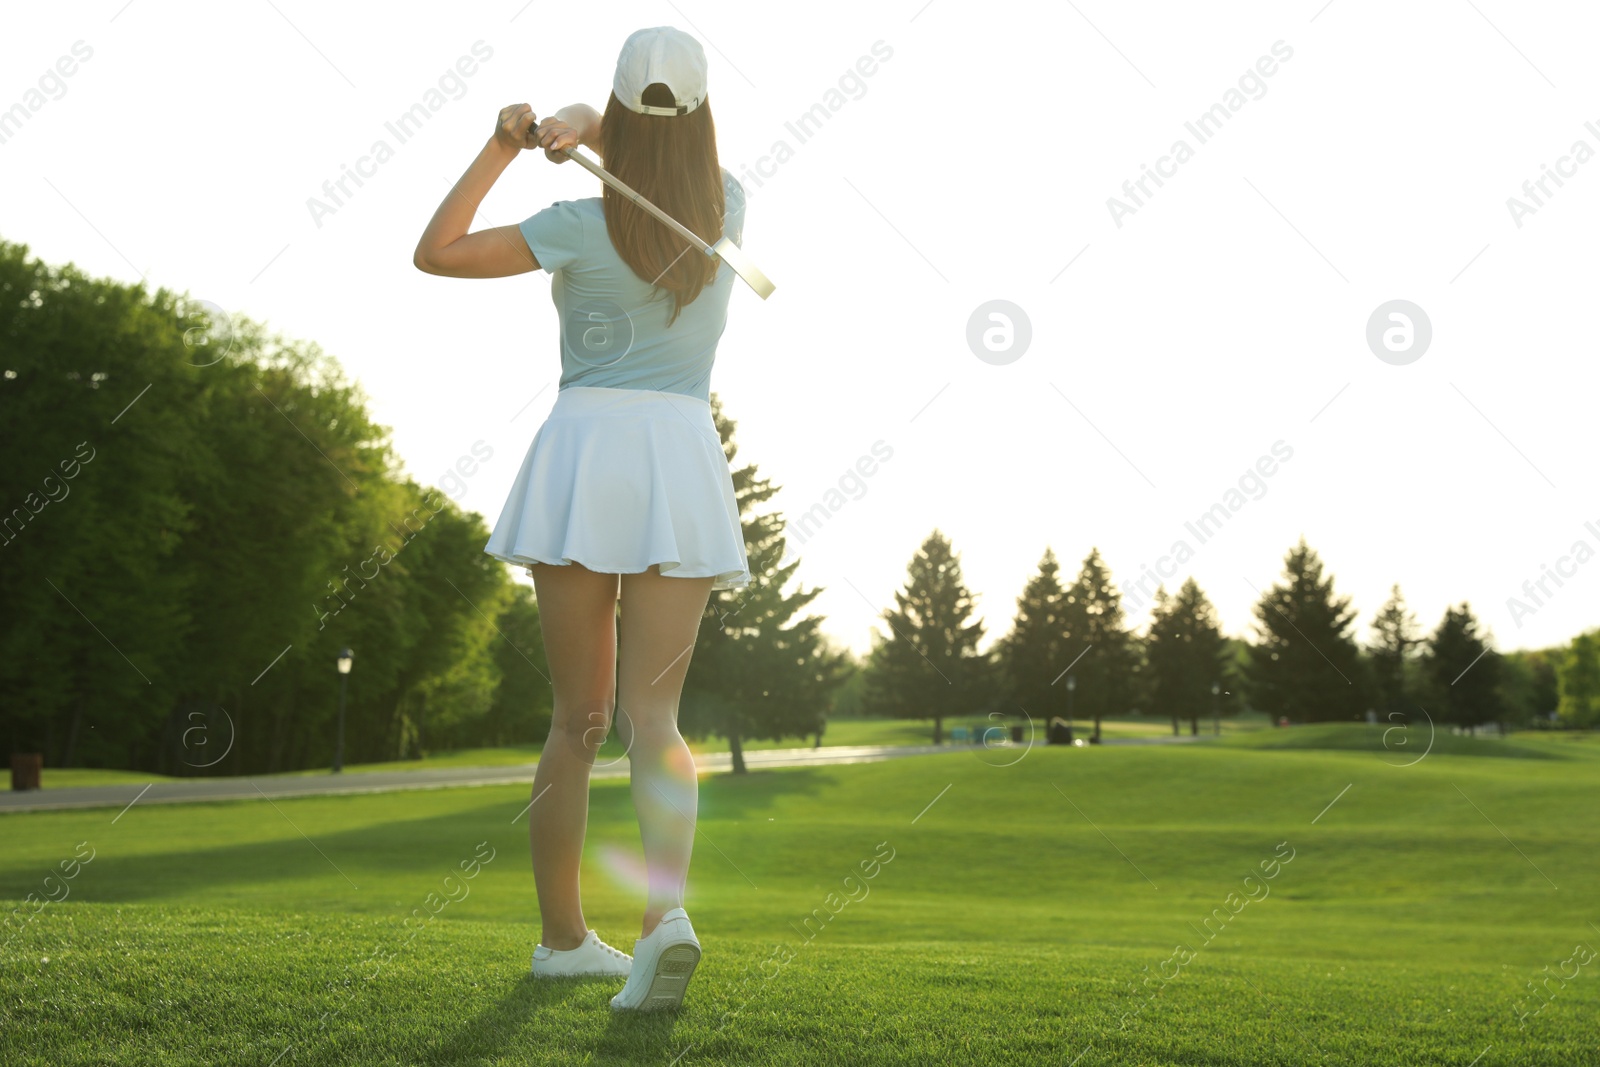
(674, 968)
(577, 974)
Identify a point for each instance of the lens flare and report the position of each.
(624, 867)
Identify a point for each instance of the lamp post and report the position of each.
(1216, 709)
(345, 660)
(1072, 683)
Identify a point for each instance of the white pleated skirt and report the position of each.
(620, 479)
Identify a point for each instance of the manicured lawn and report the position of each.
(71, 777)
(1404, 745)
(1029, 914)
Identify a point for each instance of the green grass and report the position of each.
(1006, 929)
(1402, 745)
(72, 777)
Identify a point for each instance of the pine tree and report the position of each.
(1465, 678)
(757, 671)
(1094, 630)
(1305, 664)
(1187, 655)
(928, 665)
(1034, 654)
(1392, 652)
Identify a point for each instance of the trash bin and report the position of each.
(25, 770)
(1016, 735)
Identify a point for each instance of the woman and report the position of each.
(624, 504)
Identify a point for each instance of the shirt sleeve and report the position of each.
(554, 235)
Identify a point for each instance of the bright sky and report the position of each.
(1367, 158)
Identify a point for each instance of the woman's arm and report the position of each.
(446, 248)
(585, 120)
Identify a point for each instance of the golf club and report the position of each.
(731, 253)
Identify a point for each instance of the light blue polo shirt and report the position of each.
(614, 333)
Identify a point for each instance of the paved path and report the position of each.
(190, 790)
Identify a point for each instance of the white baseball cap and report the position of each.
(662, 54)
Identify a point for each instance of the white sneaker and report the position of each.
(592, 958)
(663, 962)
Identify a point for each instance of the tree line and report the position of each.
(196, 516)
(1070, 653)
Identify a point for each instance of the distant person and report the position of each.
(625, 495)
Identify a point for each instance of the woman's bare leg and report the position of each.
(577, 614)
(660, 621)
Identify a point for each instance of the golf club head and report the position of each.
(734, 257)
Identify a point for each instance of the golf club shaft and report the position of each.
(622, 187)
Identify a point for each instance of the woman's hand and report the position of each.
(555, 137)
(515, 122)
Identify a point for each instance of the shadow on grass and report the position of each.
(545, 1011)
(378, 854)
(639, 1034)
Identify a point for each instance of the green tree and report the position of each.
(453, 590)
(1238, 663)
(757, 670)
(93, 510)
(199, 517)
(523, 702)
(297, 479)
(1187, 655)
(928, 666)
(847, 700)
(1304, 664)
(1392, 653)
(1095, 629)
(1464, 678)
(1529, 685)
(1032, 656)
(1579, 678)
